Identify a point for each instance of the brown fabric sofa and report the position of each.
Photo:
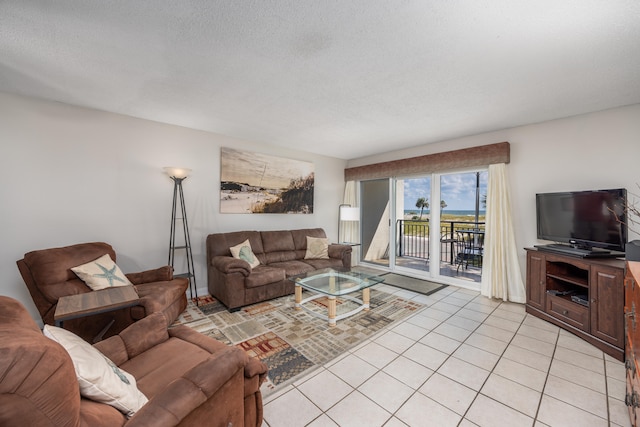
(281, 253)
(48, 276)
(190, 379)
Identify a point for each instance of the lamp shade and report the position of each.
(348, 213)
(179, 173)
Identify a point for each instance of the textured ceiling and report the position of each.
(345, 78)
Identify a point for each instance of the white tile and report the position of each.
(443, 306)
(440, 342)
(505, 324)
(466, 423)
(572, 342)
(539, 334)
(386, 391)
(453, 300)
(448, 330)
(513, 307)
(409, 372)
(376, 354)
(463, 372)
(356, 410)
(448, 393)
(512, 394)
(323, 421)
(425, 322)
(394, 341)
(481, 308)
(394, 422)
(462, 322)
(495, 332)
(595, 364)
(475, 315)
(316, 388)
(434, 313)
(521, 374)
(617, 389)
(411, 331)
(578, 375)
(486, 343)
(290, 409)
(534, 321)
(577, 395)
(486, 412)
(619, 413)
(528, 358)
(533, 344)
(426, 356)
(554, 412)
(616, 370)
(353, 370)
(476, 356)
(422, 411)
(508, 314)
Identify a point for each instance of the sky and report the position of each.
(261, 170)
(457, 190)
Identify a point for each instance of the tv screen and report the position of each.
(583, 219)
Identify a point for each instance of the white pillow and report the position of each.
(101, 273)
(243, 251)
(99, 378)
(317, 248)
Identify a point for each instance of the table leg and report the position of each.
(365, 299)
(298, 297)
(332, 310)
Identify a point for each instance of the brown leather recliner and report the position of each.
(190, 379)
(48, 276)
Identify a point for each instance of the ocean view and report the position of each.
(425, 212)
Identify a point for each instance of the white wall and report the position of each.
(592, 151)
(72, 175)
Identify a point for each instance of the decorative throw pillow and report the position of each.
(99, 378)
(317, 248)
(244, 252)
(101, 273)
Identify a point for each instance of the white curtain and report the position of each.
(501, 277)
(350, 229)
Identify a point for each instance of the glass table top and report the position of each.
(335, 282)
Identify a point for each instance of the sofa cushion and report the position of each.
(101, 273)
(99, 378)
(317, 248)
(293, 268)
(277, 241)
(244, 252)
(264, 275)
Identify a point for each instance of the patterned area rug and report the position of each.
(293, 342)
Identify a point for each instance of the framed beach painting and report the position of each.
(260, 183)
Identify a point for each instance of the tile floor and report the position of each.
(464, 361)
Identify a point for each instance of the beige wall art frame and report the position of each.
(260, 183)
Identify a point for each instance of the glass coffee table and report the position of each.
(334, 283)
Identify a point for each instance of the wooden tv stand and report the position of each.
(554, 278)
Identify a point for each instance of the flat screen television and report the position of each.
(592, 222)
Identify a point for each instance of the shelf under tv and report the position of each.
(579, 252)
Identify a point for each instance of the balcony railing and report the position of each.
(413, 238)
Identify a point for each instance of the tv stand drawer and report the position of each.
(568, 311)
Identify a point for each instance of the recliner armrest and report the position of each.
(227, 264)
(161, 274)
(135, 339)
(185, 394)
(338, 251)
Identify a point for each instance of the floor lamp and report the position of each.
(346, 213)
(178, 175)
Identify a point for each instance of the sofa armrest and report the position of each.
(162, 274)
(227, 264)
(135, 339)
(185, 394)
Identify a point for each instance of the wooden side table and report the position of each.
(95, 302)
